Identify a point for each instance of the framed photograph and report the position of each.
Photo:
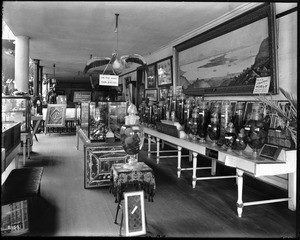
(164, 72)
(56, 115)
(135, 221)
(232, 58)
(151, 78)
(163, 93)
(151, 94)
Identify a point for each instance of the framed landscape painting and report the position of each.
(228, 59)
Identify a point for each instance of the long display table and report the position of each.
(285, 164)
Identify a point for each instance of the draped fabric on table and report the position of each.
(141, 177)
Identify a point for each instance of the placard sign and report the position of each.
(262, 85)
(108, 80)
(82, 96)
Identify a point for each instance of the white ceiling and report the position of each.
(67, 33)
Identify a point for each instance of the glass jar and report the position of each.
(230, 137)
(160, 111)
(241, 142)
(180, 108)
(202, 121)
(150, 113)
(255, 129)
(173, 110)
(226, 116)
(213, 129)
(238, 119)
(187, 115)
(132, 136)
(194, 125)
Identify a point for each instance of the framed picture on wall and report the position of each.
(151, 78)
(164, 72)
(163, 93)
(231, 58)
(151, 94)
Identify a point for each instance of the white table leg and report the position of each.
(239, 202)
(157, 150)
(194, 169)
(179, 161)
(292, 183)
(149, 146)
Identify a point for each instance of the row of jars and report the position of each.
(199, 119)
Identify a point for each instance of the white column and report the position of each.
(22, 63)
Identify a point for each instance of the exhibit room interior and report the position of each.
(149, 119)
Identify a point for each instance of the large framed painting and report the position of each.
(151, 78)
(164, 72)
(56, 115)
(233, 58)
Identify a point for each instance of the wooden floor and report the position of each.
(65, 208)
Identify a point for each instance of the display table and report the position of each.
(286, 164)
(141, 177)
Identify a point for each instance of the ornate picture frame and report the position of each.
(134, 209)
(164, 72)
(227, 59)
(56, 115)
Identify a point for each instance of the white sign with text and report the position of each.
(262, 85)
(108, 80)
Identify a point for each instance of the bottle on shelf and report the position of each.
(202, 121)
(213, 129)
(230, 136)
(238, 119)
(194, 125)
(241, 142)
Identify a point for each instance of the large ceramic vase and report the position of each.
(132, 137)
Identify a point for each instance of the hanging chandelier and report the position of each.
(117, 65)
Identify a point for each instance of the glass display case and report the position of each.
(97, 118)
(17, 109)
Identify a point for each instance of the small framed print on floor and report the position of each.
(134, 210)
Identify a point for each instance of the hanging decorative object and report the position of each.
(117, 64)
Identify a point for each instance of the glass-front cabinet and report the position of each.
(17, 109)
(96, 118)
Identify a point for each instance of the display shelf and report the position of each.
(17, 109)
